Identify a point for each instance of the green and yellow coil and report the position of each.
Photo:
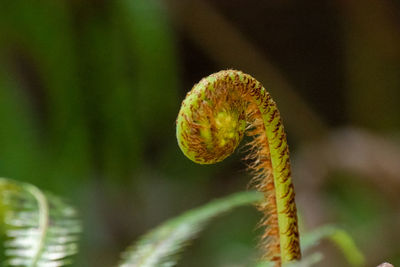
(210, 125)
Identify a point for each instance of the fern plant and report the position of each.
(210, 125)
(161, 247)
(42, 230)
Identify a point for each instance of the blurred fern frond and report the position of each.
(40, 229)
(161, 246)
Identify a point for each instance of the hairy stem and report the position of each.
(211, 124)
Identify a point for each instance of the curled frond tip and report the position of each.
(210, 125)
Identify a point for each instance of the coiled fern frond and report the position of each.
(40, 229)
(210, 125)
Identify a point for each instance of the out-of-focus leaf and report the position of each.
(161, 246)
(41, 230)
(346, 244)
(340, 238)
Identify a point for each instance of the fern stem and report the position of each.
(211, 124)
(43, 211)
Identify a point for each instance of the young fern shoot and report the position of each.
(210, 125)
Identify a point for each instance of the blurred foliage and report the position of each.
(162, 246)
(38, 229)
(89, 93)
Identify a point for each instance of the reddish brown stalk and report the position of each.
(263, 181)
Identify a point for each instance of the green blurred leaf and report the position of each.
(340, 238)
(161, 246)
(346, 244)
(40, 229)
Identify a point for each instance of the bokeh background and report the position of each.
(89, 93)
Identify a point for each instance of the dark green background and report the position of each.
(89, 93)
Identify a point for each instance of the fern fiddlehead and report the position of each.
(210, 125)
